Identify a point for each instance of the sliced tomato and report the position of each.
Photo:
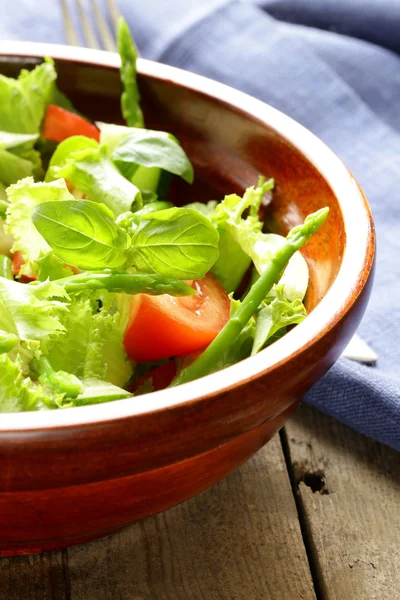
(60, 124)
(17, 263)
(163, 326)
(160, 377)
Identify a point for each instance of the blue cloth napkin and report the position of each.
(334, 66)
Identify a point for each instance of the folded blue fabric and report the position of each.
(332, 65)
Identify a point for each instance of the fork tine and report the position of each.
(70, 31)
(106, 36)
(114, 12)
(88, 32)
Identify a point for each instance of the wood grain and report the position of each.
(39, 577)
(240, 540)
(353, 517)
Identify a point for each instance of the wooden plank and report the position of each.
(353, 515)
(39, 577)
(240, 540)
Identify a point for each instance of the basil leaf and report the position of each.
(94, 174)
(177, 242)
(82, 233)
(146, 148)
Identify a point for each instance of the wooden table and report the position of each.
(315, 515)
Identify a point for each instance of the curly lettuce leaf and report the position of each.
(23, 104)
(296, 276)
(32, 312)
(18, 393)
(105, 357)
(243, 241)
(274, 317)
(94, 351)
(23, 198)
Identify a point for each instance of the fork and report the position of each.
(99, 35)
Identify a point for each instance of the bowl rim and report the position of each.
(354, 271)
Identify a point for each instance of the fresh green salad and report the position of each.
(107, 290)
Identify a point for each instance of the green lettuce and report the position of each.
(23, 198)
(13, 140)
(94, 174)
(29, 316)
(19, 393)
(6, 241)
(24, 100)
(32, 312)
(23, 104)
(17, 158)
(242, 242)
(13, 168)
(92, 351)
(65, 152)
(52, 268)
(274, 318)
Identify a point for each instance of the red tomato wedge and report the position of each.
(163, 326)
(17, 263)
(60, 124)
(160, 377)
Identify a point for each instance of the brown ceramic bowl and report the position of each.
(74, 475)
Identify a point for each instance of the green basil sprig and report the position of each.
(176, 242)
(82, 233)
(146, 148)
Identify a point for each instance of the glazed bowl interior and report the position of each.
(231, 139)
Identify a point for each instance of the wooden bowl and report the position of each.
(73, 475)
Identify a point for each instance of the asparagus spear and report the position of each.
(126, 282)
(6, 267)
(296, 238)
(130, 99)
